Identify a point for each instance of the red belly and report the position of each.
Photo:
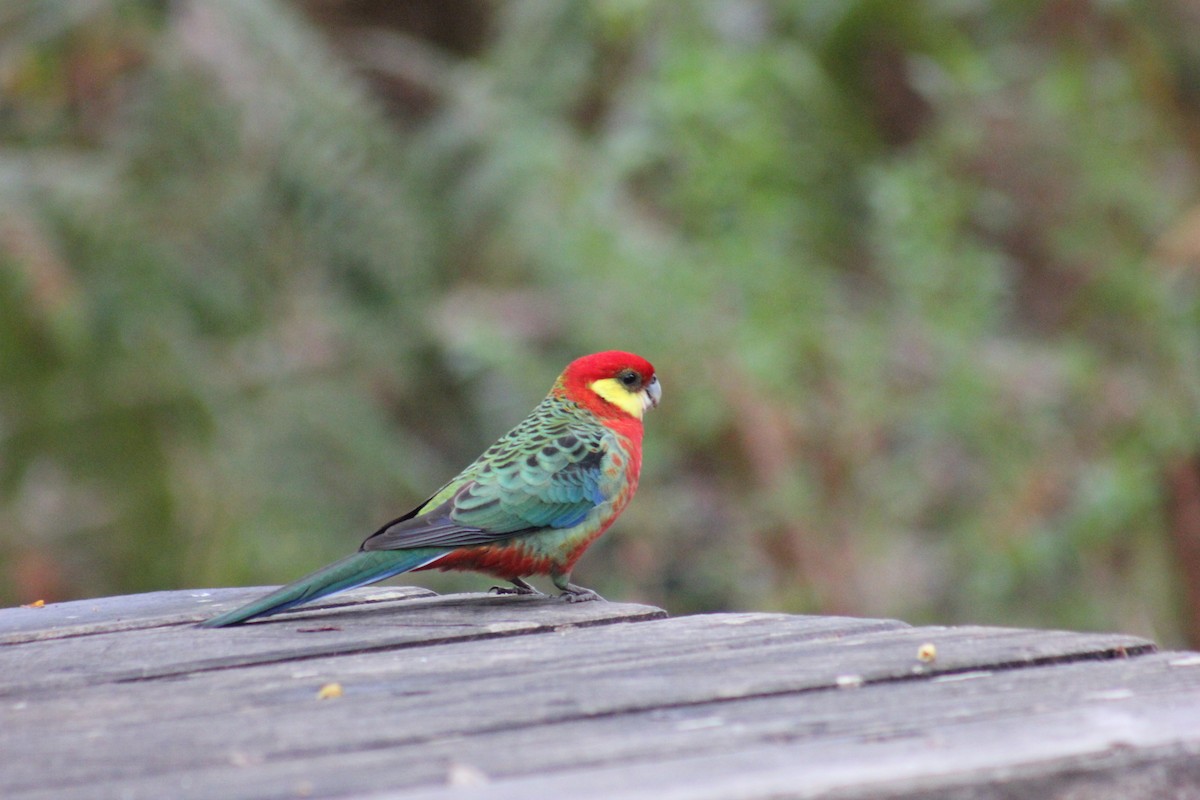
(508, 560)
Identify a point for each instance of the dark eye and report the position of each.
(629, 378)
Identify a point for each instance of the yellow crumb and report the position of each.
(329, 691)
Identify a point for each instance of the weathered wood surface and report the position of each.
(477, 696)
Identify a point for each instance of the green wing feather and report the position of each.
(548, 472)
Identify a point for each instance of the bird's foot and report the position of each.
(530, 592)
(519, 587)
(578, 594)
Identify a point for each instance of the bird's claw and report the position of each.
(519, 587)
(579, 595)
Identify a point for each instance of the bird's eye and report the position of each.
(629, 378)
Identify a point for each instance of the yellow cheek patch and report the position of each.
(612, 391)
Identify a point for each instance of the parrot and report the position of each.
(531, 504)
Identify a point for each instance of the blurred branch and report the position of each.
(1183, 527)
(415, 68)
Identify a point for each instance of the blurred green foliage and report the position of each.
(919, 279)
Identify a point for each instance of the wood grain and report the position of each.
(476, 695)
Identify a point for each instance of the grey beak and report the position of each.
(654, 391)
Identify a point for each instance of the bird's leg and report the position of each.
(572, 593)
(519, 586)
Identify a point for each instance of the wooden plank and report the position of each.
(156, 609)
(158, 652)
(538, 697)
(262, 714)
(1150, 749)
(914, 735)
(521, 664)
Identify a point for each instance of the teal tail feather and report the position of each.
(357, 570)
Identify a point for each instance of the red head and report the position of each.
(611, 384)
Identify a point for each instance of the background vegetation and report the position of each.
(920, 280)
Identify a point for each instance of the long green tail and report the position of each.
(357, 570)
